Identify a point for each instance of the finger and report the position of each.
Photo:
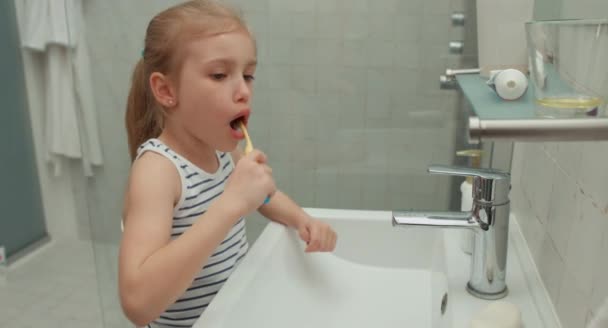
(314, 244)
(304, 234)
(258, 156)
(334, 240)
(324, 239)
(268, 169)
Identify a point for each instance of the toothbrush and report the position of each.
(249, 148)
(248, 144)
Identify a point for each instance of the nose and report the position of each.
(242, 92)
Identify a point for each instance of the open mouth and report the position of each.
(236, 123)
(243, 117)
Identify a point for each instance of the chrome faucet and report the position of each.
(489, 219)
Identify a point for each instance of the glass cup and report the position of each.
(569, 67)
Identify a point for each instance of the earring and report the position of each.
(170, 102)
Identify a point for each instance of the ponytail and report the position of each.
(142, 119)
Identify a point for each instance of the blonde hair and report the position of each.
(166, 32)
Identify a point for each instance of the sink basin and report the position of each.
(378, 276)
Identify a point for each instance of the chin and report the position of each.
(227, 147)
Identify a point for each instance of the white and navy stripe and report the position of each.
(199, 189)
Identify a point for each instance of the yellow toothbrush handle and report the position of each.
(248, 144)
(249, 148)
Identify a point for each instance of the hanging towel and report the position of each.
(56, 28)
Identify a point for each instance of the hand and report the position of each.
(319, 236)
(250, 183)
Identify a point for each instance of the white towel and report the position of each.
(56, 27)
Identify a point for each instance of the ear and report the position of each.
(163, 90)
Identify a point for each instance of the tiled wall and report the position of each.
(348, 105)
(560, 197)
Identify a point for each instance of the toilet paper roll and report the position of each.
(509, 84)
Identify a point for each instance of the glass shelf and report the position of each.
(516, 120)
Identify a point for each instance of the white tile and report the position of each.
(279, 51)
(255, 225)
(352, 113)
(406, 56)
(303, 78)
(381, 26)
(330, 51)
(381, 53)
(594, 172)
(439, 8)
(349, 190)
(304, 25)
(303, 51)
(403, 83)
(583, 246)
(327, 79)
(356, 26)
(407, 30)
(572, 306)
(280, 25)
(356, 6)
(410, 8)
(433, 33)
(379, 78)
(304, 155)
(328, 6)
(326, 187)
(535, 234)
(299, 6)
(304, 183)
(278, 77)
(50, 286)
(258, 22)
(330, 26)
(356, 53)
(565, 202)
(551, 268)
(568, 157)
(378, 104)
(600, 269)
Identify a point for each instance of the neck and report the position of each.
(188, 146)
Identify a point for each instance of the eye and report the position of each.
(249, 78)
(218, 77)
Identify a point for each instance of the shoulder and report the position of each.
(154, 176)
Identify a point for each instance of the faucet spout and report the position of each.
(437, 219)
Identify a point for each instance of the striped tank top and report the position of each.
(199, 189)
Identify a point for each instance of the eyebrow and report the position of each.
(229, 61)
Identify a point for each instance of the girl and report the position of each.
(189, 186)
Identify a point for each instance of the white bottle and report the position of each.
(466, 203)
(466, 198)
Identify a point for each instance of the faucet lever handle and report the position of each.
(487, 174)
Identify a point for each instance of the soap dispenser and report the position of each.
(466, 200)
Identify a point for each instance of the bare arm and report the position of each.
(318, 235)
(153, 270)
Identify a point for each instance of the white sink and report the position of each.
(378, 276)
